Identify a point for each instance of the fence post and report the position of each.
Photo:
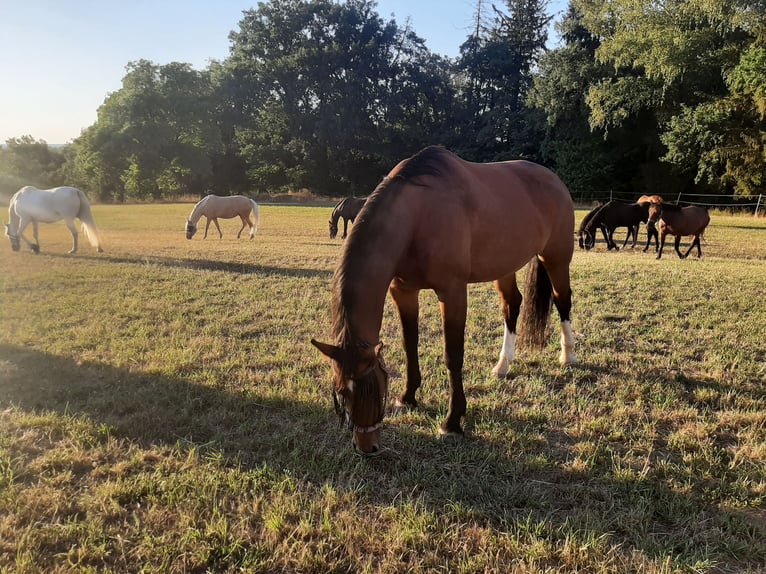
(758, 205)
(678, 200)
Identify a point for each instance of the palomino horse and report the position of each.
(32, 205)
(651, 229)
(346, 209)
(679, 221)
(439, 222)
(612, 215)
(225, 207)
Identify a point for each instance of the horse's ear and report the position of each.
(378, 348)
(329, 351)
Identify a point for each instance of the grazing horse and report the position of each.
(612, 215)
(346, 209)
(581, 237)
(439, 222)
(32, 205)
(679, 221)
(651, 229)
(225, 207)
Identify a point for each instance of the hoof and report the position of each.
(401, 405)
(568, 362)
(99, 250)
(35, 248)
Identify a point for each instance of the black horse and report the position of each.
(609, 217)
(347, 208)
(581, 230)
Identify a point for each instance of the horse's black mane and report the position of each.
(428, 161)
(432, 161)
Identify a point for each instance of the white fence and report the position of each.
(753, 203)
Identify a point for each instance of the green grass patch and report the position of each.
(162, 410)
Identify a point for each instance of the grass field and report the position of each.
(162, 410)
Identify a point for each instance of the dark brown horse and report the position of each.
(439, 222)
(680, 221)
(346, 209)
(651, 228)
(581, 237)
(610, 217)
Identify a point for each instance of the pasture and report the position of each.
(162, 410)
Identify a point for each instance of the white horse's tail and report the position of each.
(88, 224)
(256, 217)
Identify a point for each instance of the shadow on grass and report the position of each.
(203, 265)
(509, 484)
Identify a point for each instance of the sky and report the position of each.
(60, 59)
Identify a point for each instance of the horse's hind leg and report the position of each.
(245, 223)
(558, 272)
(218, 227)
(73, 230)
(695, 242)
(511, 307)
(406, 302)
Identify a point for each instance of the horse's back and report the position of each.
(488, 220)
(46, 205)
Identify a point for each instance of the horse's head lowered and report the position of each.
(360, 389)
(655, 213)
(333, 229)
(191, 229)
(15, 245)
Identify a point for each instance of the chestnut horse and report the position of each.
(439, 222)
(346, 209)
(679, 221)
(651, 229)
(226, 207)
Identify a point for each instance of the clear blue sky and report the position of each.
(60, 58)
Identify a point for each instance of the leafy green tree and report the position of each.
(690, 67)
(154, 137)
(326, 95)
(27, 161)
(495, 70)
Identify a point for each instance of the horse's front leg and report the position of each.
(406, 302)
(454, 304)
(72, 229)
(511, 306)
(207, 226)
(677, 245)
(663, 234)
(218, 227)
(23, 223)
(345, 228)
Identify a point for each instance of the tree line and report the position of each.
(638, 96)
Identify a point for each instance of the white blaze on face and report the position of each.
(567, 344)
(507, 353)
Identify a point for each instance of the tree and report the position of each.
(154, 137)
(692, 67)
(324, 94)
(27, 161)
(496, 72)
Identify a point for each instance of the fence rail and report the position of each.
(754, 203)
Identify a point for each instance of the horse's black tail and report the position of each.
(536, 306)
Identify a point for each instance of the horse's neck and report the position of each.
(196, 213)
(370, 266)
(13, 218)
(336, 214)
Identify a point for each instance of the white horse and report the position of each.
(226, 207)
(32, 205)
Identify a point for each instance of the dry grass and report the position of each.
(162, 410)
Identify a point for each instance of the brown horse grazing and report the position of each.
(346, 209)
(581, 237)
(609, 217)
(651, 229)
(439, 222)
(679, 221)
(225, 207)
